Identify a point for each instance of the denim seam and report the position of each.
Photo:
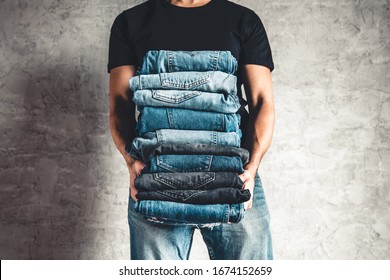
(140, 81)
(165, 81)
(214, 137)
(160, 137)
(172, 99)
(156, 177)
(214, 59)
(175, 196)
(170, 60)
(227, 213)
(208, 246)
(171, 119)
(171, 168)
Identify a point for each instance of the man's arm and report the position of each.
(258, 89)
(122, 118)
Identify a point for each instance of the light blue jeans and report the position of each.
(154, 118)
(157, 61)
(187, 99)
(250, 239)
(211, 81)
(176, 136)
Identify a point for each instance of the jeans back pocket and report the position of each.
(185, 80)
(184, 163)
(182, 181)
(174, 96)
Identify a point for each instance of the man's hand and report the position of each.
(135, 167)
(248, 177)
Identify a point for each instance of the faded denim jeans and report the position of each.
(211, 81)
(155, 239)
(187, 99)
(187, 181)
(146, 152)
(193, 163)
(157, 61)
(176, 213)
(176, 136)
(153, 118)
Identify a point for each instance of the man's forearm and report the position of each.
(122, 124)
(259, 132)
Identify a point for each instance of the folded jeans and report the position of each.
(152, 119)
(187, 99)
(156, 61)
(146, 152)
(187, 181)
(168, 212)
(214, 196)
(211, 81)
(193, 163)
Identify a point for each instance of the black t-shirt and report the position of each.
(217, 25)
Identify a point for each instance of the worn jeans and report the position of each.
(175, 136)
(176, 213)
(153, 118)
(187, 181)
(214, 196)
(157, 61)
(193, 163)
(211, 81)
(146, 152)
(187, 99)
(250, 239)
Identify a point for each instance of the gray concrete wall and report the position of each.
(64, 186)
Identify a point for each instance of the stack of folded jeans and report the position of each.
(189, 138)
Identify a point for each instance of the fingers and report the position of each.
(248, 204)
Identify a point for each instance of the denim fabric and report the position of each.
(250, 239)
(187, 181)
(157, 61)
(212, 81)
(176, 136)
(153, 118)
(193, 163)
(187, 99)
(214, 196)
(147, 152)
(176, 212)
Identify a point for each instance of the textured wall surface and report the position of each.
(64, 186)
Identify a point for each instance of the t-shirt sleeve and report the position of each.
(120, 49)
(256, 48)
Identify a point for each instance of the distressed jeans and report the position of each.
(157, 61)
(176, 213)
(250, 239)
(176, 136)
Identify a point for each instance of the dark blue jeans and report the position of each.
(194, 163)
